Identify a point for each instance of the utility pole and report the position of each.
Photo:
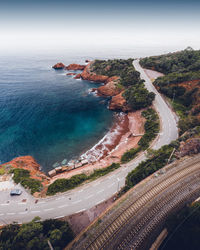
(49, 243)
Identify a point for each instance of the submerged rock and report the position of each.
(64, 162)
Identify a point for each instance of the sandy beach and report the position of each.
(121, 137)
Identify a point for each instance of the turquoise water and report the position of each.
(46, 114)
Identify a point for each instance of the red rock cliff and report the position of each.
(29, 163)
(91, 76)
(110, 88)
(74, 66)
(119, 103)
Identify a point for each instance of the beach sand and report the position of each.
(110, 149)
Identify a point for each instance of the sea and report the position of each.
(49, 115)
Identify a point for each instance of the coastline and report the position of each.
(120, 138)
(122, 142)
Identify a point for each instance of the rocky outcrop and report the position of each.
(74, 66)
(29, 163)
(118, 103)
(59, 66)
(110, 88)
(191, 146)
(91, 76)
(78, 76)
(71, 74)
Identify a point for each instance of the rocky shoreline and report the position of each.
(110, 88)
(119, 139)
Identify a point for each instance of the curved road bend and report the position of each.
(91, 194)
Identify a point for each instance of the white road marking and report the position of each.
(22, 203)
(5, 204)
(23, 212)
(100, 191)
(66, 205)
(75, 202)
(58, 198)
(41, 202)
(49, 209)
(89, 197)
(10, 213)
(36, 211)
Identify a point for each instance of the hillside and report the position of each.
(180, 84)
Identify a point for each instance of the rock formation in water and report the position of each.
(59, 66)
(74, 66)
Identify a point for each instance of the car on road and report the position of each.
(15, 192)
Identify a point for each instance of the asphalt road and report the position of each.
(82, 198)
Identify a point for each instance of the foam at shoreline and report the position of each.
(110, 140)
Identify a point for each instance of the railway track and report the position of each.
(140, 232)
(173, 184)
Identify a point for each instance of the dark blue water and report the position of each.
(46, 114)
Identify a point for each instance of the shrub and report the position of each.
(146, 168)
(138, 97)
(101, 172)
(22, 176)
(35, 234)
(151, 127)
(2, 171)
(130, 154)
(62, 185)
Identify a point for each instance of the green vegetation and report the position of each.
(175, 77)
(62, 185)
(138, 97)
(2, 171)
(22, 176)
(130, 154)
(101, 172)
(118, 67)
(184, 229)
(181, 69)
(151, 127)
(182, 61)
(35, 235)
(110, 68)
(158, 160)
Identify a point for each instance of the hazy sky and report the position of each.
(46, 24)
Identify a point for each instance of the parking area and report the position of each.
(6, 198)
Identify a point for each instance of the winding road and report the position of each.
(91, 194)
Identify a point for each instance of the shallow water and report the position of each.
(46, 114)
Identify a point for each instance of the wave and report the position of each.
(110, 141)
